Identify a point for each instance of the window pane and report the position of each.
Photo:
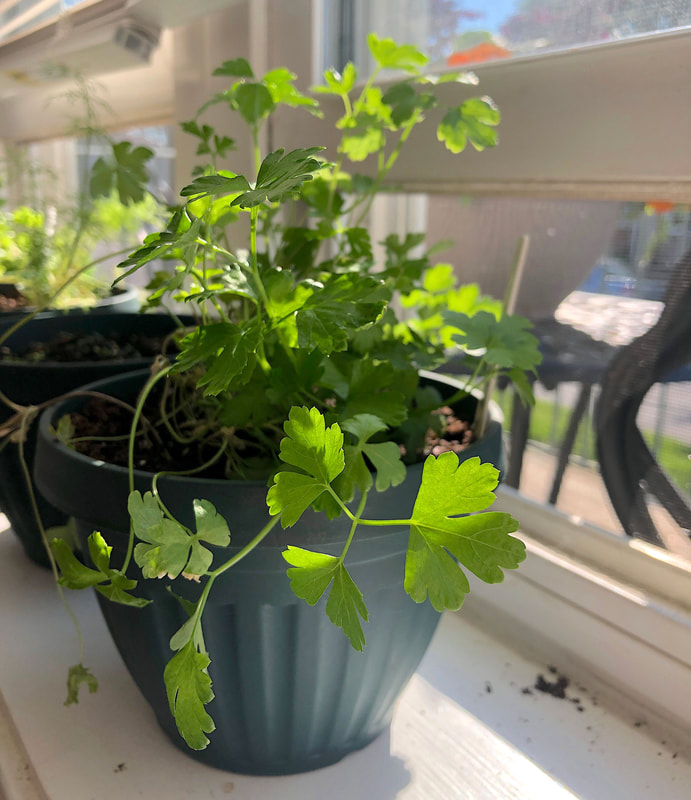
(23, 15)
(459, 32)
(595, 278)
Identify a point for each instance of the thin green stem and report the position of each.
(376, 523)
(353, 527)
(254, 264)
(246, 550)
(44, 537)
(193, 471)
(255, 149)
(383, 172)
(468, 386)
(146, 391)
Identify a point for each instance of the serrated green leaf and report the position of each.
(345, 606)
(125, 171)
(74, 575)
(280, 173)
(336, 82)
(377, 388)
(117, 595)
(390, 55)
(332, 313)
(430, 570)
(235, 68)
(168, 548)
(207, 185)
(480, 542)
(384, 456)
(291, 495)
(228, 350)
(99, 551)
(449, 488)
(109, 582)
(280, 84)
(210, 525)
(386, 459)
(77, 676)
(310, 574)
(188, 631)
(188, 687)
(313, 448)
(522, 385)
(199, 561)
(254, 102)
(310, 577)
(473, 121)
(507, 341)
(405, 101)
(165, 544)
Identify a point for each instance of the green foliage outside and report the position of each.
(548, 424)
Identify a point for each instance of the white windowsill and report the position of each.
(463, 728)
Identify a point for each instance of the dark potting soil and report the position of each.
(81, 347)
(457, 436)
(108, 426)
(154, 451)
(11, 303)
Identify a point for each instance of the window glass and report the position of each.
(595, 278)
(22, 15)
(459, 32)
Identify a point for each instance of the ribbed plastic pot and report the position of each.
(33, 383)
(291, 695)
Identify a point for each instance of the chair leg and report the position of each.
(569, 439)
(520, 424)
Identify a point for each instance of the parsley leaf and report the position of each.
(385, 457)
(310, 577)
(109, 582)
(473, 121)
(280, 174)
(335, 311)
(507, 341)
(228, 349)
(235, 68)
(390, 55)
(188, 687)
(315, 450)
(78, 675)
(206, 185)
(167, 547)
(125, 172)
(480, 542)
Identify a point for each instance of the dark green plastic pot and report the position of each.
(291, 693)
(30, 384)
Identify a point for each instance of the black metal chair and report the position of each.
(629, 469)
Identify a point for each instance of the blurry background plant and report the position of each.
(46, 243)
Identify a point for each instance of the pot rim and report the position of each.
(49, 414)
(118, 294)
(60, 320)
